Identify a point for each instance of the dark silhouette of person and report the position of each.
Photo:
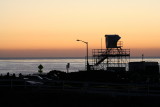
(20, 75)
(7, 74)
(14, 75)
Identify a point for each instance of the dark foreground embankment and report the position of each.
(28, 98)
(82, 89)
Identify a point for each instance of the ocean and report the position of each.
(30, 65)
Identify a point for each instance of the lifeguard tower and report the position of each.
(113, 57)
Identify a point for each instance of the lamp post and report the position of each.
(87, 52)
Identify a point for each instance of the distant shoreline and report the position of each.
(42, 58)
(5, 58)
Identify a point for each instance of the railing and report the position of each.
(110, 52)
(99, 55)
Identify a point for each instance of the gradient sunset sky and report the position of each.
(49, 28)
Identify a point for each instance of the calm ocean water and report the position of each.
(30, 65)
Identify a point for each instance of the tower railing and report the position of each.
(113, 56)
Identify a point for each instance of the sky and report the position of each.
(50, 28)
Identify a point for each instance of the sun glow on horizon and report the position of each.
(56, 25)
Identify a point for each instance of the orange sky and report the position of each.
(30, 28)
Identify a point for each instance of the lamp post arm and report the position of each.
(82, 41)
(87, 52)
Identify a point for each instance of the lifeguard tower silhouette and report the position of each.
(113, 57)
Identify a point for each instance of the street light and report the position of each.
(87, 52)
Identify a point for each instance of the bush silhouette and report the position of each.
(40, 67)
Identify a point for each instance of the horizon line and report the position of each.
(66, 57)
